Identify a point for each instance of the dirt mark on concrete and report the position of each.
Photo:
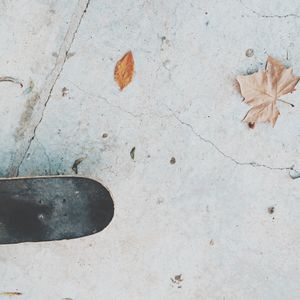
(26, 116)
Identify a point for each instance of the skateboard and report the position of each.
(36, 209)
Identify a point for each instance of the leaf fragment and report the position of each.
(124, 70)
(76, 163)
(132, 153)
(264, 88)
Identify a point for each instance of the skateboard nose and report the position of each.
(52, 208)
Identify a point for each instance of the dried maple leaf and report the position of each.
(124, 70)
(261, 90)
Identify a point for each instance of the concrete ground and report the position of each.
(221, 219)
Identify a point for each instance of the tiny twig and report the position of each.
(292, 105)
(11, 79)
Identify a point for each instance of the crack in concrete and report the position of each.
(105, 99)
(207, 141)
(268, 16)
(46, 92)
(121, 109)
(46, 154)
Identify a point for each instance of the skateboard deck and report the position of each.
(38, 209)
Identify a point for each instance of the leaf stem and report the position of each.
(292, 105)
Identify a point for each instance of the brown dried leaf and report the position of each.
(261, 90)
(124, 70)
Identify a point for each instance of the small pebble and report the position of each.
(64, 91)
(41, 217)
(249, 52)
(172, 161)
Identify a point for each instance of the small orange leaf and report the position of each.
(124, 70)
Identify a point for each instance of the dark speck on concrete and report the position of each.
(76, 163)
(132, 153)
(249, 52)
(172, 161)
(251, 71)
(271, 210)
(177, 280)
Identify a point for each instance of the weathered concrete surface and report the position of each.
(206, 216)
(36, 37)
